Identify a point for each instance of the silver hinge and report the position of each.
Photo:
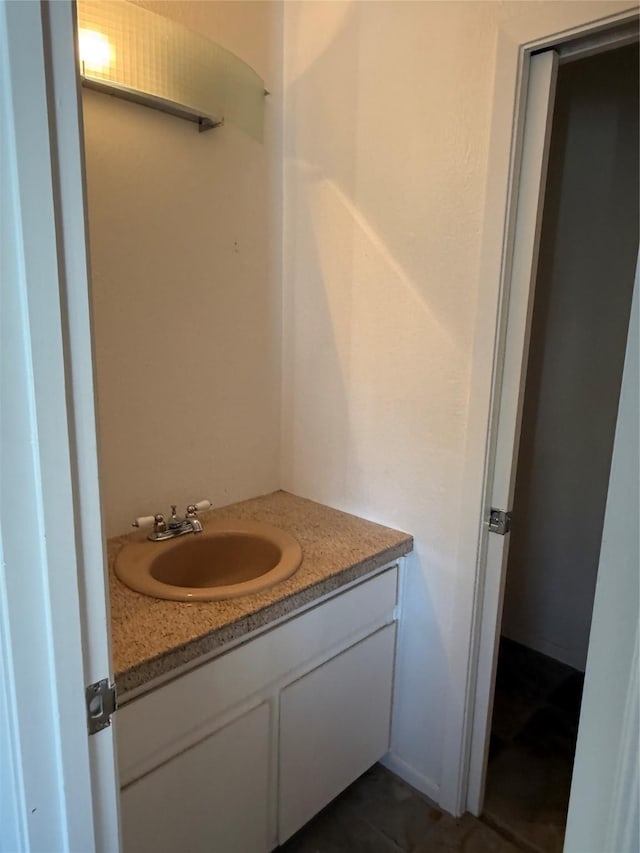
(499, 521)
(101, 703)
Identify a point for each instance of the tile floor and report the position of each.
(381, 814)
(533, 740)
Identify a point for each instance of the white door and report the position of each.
(503, 455)
(604, 809)
(60, 783)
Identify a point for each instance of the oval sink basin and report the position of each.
(226, 560)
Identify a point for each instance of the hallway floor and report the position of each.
(533, 741)
(535, 723)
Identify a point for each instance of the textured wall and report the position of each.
(185, 253)
(387, 116)
(387, 108)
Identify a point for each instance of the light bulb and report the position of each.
(96, 51)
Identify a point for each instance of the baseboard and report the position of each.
(411, 776)
(570, 657)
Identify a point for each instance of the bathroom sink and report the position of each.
(226, 560)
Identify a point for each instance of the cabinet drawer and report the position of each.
(151, 729)
(334, 724)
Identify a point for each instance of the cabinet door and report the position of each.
(211, 798)
(334, 724)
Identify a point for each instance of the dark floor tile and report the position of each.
(568, 695)
(527, 674)
(551, 732)
(338, 830)
(511, 713)
(496, 745)
(528, 794)
(535, 723)
(392, 807)
(464, 835)
(379, 813)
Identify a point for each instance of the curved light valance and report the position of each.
(132, 53)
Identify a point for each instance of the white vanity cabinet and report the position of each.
(334, 724)
(239, 753)
(211, 797)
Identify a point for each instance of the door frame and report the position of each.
(477, 608)
(54, 635)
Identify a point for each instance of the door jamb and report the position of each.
(68, 163)
(516, 42)
(40, 637)
(53, 637)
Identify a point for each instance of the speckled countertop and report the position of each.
(151, 637)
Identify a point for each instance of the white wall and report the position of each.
(185, 253)
(387, 112)
(583, 297)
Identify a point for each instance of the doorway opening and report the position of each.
(583, 291)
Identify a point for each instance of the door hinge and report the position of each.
(101, 703)
(499, 521)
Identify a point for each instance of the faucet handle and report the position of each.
(143, 521)
(158, 522)
(200, 506)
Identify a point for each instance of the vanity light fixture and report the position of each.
(132, 53)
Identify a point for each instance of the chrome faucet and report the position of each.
(176, 525)
(189, 524)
